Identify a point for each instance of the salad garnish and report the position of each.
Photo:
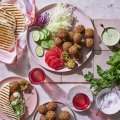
(61, 18)
(42, 20)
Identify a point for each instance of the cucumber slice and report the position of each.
(42, 36)
(39, 51)
(45, 44)
(51, 44)
(48, 33)
(36, 35)
(44, 31)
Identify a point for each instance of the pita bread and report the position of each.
(20, 19)
(7, 37)
(5, 103)
(7, 16)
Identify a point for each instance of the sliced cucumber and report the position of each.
(36, 35)
(45, 44)
(51, 44)
(48, 33)
(44, 31)
(39, 51)
(42, 36)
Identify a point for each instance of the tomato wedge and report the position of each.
(58, 50)
(51, 58)
(57, 64)
(49, 54)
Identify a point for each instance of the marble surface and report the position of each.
(102, 9)
(107, 9)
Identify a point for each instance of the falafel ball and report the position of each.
(58, 41)
(65, 56)
(24, 84)
(77, 37)
(89, 33)
(50, 115)
(66, 46)
(80, 29)
(52, 106)
(78, 57)
(78, 45)
(89, 42)
(71, 35)
(63, 33)
(57, 118)
(65, 115)
(43, 117)
(73, 50)
(15, 86)
(42, 109)
(12, 98)
(71, 64)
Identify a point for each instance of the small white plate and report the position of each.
(76, 90)
(108, 110)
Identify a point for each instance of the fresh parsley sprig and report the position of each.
(107, 77)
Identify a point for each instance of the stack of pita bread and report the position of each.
(12, 24)
(5, 105)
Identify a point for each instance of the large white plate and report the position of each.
(81, 19)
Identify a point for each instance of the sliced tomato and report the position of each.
(57, 64)
(51, 58)
(50, 53)
(58, 50)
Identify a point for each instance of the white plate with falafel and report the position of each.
(62, 37)
(53, 111)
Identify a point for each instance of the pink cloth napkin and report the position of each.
(28, 9)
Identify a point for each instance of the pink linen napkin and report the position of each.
(28, 9)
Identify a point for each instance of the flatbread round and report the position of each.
(7, 37)
(5, 15)
(20, 19)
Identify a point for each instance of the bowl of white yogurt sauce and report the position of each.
(110, 36)
(108, 101)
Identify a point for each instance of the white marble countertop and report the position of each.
(103, 9)
(95, 9)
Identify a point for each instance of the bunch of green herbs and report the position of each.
(106, 77)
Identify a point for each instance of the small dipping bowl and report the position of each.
(108, 101)
(110, 36)
(79, 98)
(36, 76)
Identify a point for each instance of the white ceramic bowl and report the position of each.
(76, 90)
(106, 108)
(107, 40)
